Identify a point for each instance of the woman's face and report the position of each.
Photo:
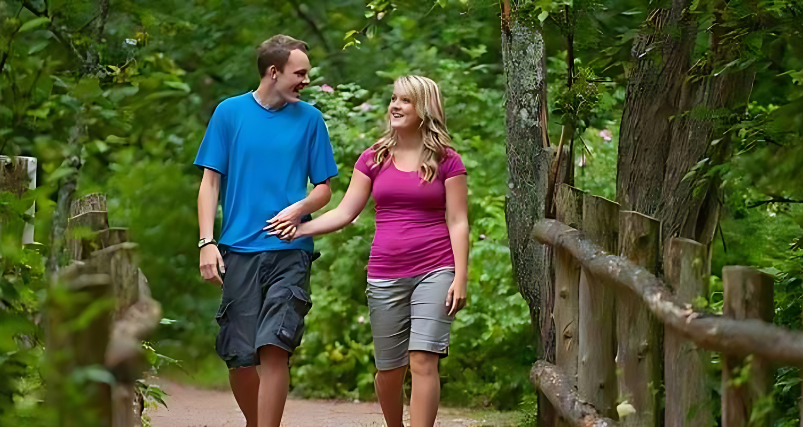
(402, 111)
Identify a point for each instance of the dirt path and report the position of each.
(192, 407)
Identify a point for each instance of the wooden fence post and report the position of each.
(596, 381)
(748, 295)
(569, 210)
(688, 400)
(104, 259)
(17, 176)
(638, 356)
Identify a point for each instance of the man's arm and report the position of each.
(286, 222)
(207, 209)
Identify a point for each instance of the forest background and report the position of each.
(116, 98)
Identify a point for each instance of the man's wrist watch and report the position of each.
(204, 241)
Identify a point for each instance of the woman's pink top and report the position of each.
(411, 234)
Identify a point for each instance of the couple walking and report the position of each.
(258, 153)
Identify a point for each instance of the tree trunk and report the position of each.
(528, 168)
(528, 160)
(672, 110)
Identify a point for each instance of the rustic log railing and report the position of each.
(104, 260)
(98, 311)
(660, 340)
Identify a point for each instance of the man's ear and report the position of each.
(272, 71)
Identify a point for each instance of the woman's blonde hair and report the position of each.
(426, 98)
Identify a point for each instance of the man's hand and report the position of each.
(456, 298)
(211, 262)
(285, 223)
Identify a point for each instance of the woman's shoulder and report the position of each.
(451, 164)
(450, 157)
(367, 156)
(450, 154)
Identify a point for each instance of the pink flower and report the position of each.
(606, 134)
(327, 89)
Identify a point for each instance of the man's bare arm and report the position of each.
(208, 194)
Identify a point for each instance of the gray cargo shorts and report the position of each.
(265, 299)
(409, 314)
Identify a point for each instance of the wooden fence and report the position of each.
(632, 349)
(98, 312)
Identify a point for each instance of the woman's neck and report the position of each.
(410, 140)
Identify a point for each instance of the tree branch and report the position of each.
(313, 25)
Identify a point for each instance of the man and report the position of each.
(259, 150)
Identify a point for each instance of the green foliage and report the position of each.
(129, 124)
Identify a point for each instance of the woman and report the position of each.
(418, 264)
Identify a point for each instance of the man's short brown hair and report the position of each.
(276, 50)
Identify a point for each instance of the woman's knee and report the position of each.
(424, 363)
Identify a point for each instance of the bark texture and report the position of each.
(717, 333)
(528, 161)
(524, 63)
(672, 110)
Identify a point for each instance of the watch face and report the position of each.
(201, 242)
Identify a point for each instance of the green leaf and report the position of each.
(443, 3)
(87, 89)
(178, 85)
(543, 16)
(33, 23)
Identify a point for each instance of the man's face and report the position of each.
(294, 77)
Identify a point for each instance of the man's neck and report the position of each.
(269, 97)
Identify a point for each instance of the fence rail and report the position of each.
(98, 311)
(660, 339)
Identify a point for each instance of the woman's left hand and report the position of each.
(456, 298)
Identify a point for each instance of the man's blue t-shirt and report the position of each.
(265, 159)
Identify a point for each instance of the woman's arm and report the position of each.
(352, 204)
(289, 218)
(457, 222)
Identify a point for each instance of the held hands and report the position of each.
(456, 298)
(286, 222)
(212, 264)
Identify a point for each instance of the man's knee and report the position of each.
(270, 355)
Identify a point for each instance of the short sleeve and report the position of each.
(452, 165)
(322, 164)
(365, 164)
(214, 150)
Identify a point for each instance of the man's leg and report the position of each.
(274, 381)
(389, 385)
(426, 388)
(245, 386)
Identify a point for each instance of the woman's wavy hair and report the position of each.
(426, 98)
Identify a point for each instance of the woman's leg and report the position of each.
(426, 388)
(429, 341)
(389, 386)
